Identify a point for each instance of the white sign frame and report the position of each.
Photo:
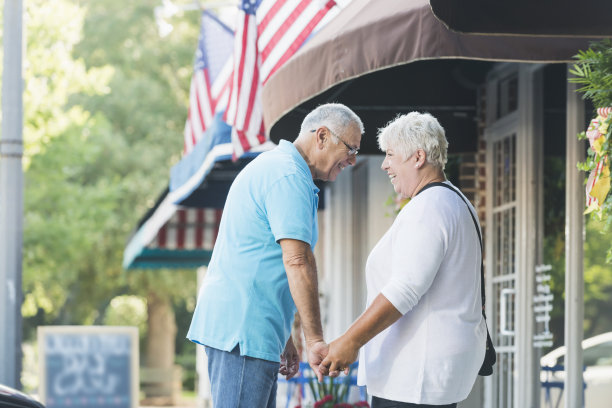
(131, 331)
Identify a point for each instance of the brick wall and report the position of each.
(481, 188)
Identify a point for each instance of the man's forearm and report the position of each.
(301, 271)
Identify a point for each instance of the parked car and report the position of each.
(11, 398)
(597, 357)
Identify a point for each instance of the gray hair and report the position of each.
(412, 131)
(334, 116)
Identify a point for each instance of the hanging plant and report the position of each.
(594, 72)
(598, 162)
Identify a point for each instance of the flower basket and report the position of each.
(332, 392)
(598, 161)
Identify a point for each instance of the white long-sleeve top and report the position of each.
(428, 266)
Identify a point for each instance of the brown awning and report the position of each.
(375, 35)
(527, 17)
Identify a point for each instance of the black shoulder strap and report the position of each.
(482, 289)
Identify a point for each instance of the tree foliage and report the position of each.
(105, 102)
(597, 274)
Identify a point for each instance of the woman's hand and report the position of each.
(342, 353)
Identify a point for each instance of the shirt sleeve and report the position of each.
(417, 249)
(289, 206)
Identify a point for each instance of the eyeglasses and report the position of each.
(352, 151)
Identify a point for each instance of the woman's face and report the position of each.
(402, 173)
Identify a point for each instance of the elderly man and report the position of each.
(262, 267)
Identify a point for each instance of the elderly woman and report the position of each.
(422, 335)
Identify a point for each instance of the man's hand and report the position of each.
(316, 353)
(289, 360)
(342, 353)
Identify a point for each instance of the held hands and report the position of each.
(317, 350)
(342, 353)
(289, 360)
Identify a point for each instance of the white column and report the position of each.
(337, 285)
(529, 153)
(11, 197)
(574, 251)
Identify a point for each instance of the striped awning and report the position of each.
(189, 229)
(381, 57)
(202, 178)
(181, 228)
(171, 236)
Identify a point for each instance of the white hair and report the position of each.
(335, 116)
(412, 131)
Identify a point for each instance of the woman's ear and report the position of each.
(421, 158)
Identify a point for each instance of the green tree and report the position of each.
(597, 273)
(105, 104)
(597, 278)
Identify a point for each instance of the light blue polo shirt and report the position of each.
(245, 297)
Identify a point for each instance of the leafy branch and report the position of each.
(594, 73)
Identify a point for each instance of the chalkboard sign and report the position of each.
(88, 366)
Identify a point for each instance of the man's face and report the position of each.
(336, 156)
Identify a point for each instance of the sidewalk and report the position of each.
(164, 403)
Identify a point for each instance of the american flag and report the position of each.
(268, 33)
(209, 91)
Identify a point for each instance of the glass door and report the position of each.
(514, 155)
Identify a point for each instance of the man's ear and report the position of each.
(321, 134)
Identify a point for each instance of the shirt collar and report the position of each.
(290, 148)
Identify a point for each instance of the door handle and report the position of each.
(503, 312)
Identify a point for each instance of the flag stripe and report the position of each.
(299, 40)
(263, 42)
(254, 90)
(283, 29)
(210, 103)
(198, 109)
(224, 78)
(161, 237)
(200, 227)
(241, 51)
(180, 232)
(213, 68)
(268, 15)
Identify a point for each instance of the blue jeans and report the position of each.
(240, 381)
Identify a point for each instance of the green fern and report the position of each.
(594, 72)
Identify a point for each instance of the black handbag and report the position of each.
(490, 357)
